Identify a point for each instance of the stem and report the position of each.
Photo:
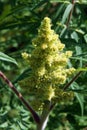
(45, 116)
(44, 119)
(34, 114)
(73, 79)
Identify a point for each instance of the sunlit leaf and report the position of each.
(4, 125)
(7, 58)
(82, 69)
(85, 38)
(66, 13)
(74, 36)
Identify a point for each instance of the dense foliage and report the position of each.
(19, 22)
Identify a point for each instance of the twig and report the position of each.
(34, 114)
(73, 79)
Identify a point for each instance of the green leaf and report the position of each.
(82, 69)
(5, 12)
(26, 73)
(74, 36)
(81, 102)
(79, 97)
(83, 1)
(80, 31)
(59, 11)
(40, 4)
(4, 125)
(60, 1)
(78, 50)
(66, 13)
(79, 58)
(63, 31)
(85, 38)
(7, 58)
(81, 91)
(21, 125)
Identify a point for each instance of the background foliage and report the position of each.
(19, 21)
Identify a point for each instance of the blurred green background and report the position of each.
(19, 22)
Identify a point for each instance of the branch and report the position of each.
(34, 114)
(73, 79)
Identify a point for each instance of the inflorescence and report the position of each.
(48, 62)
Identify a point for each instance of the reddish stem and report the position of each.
(73, 79)
(34, 114)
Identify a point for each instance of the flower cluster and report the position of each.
(48, 62)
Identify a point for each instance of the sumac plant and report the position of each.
(45, 87)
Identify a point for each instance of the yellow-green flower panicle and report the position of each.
(26, 56)
(48, 62)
